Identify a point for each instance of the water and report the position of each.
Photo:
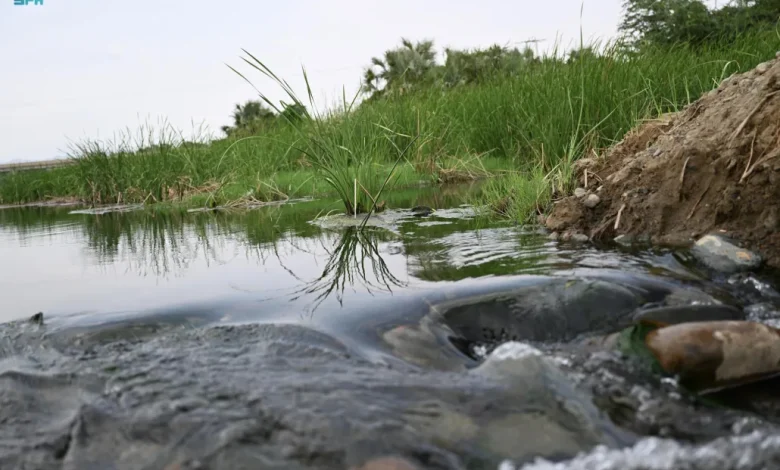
(98, 265)
(265, 338)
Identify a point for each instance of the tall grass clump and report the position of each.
(347, 154)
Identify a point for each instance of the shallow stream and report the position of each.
(276, 338)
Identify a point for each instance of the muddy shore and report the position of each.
(711, 168)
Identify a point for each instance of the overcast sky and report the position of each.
(76, 69)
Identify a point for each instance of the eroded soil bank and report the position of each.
(711, 168)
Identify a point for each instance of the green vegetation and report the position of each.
(497, 111)
(672, 22)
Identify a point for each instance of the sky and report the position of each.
(89, 69)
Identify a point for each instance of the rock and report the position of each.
(688, 313)
(422, 211)
(719, 254)
(36, 319)
(579, 238)
(551, 310)
(553, 236)
(567, 213)
(625, 240)
(580, 193)
(591, 201)
(559, 418)
(709, 356)
(762, 67)
(771, 218)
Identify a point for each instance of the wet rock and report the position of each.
(688, 313)
(722, 255)
(568, 423)
(580, 192)
(422, 211)
(713, 355)
(550, 310)
(553, 236)
(591, 201)
(579, 238)
(36, 319)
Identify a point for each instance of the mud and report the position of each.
(714, 167)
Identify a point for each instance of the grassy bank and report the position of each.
(535, 123)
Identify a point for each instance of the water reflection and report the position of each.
(150, 259)
(354, 261)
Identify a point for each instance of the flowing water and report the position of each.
(276, 338)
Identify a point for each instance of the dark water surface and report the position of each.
(264, 338)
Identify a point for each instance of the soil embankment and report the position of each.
(712, 167)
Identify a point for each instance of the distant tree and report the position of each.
(249, 116)
(667, 22)
(463, 67)
(293, 112)
(584, 53)
(402, 68)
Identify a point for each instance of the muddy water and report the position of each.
(258, 339)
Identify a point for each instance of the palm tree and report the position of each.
(249, 115)
(400, 68)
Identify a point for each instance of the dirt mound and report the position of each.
(712, 167)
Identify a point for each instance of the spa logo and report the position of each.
(21, 3)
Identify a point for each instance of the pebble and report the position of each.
(579, 237)
(762, 67)
(718, 253)
(580, 192)
(553, 236)
(592, 201)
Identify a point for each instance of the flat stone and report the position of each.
(718, 253)
(580, 192)
(591, 201)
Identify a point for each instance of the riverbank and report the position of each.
(712, 168)
(532, 124)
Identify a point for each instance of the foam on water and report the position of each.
(754, 451)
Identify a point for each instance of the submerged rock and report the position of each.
(722, 255)
(421, 211)
(558, 309)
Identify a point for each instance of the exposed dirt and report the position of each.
(712, 167)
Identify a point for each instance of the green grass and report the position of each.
(532, 125)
